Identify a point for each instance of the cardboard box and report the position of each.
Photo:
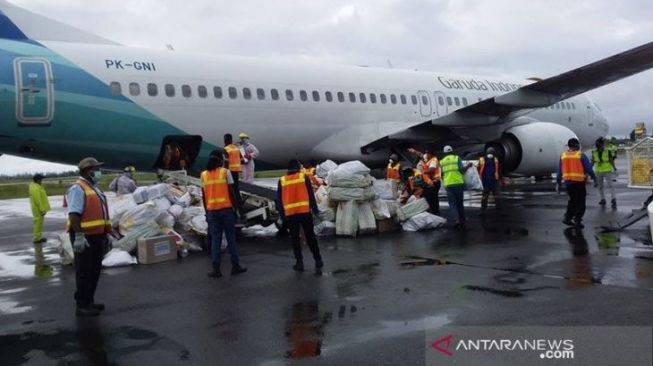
(156, 249)
(387, 225)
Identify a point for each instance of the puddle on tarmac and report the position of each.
(504, 293)
(350, 280)
(305, 330)
(414, 261)
(35, 262)
(89, 344)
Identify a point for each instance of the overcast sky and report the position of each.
(488, 37)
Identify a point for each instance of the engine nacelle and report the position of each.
(532, 149)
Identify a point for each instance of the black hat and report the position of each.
(38, 176)
(573, 142)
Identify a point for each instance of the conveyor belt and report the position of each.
(263, 192)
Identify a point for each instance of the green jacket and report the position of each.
(38, 199)
(602, 160)
(452, 173)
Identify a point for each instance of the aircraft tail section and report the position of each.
(22, 25)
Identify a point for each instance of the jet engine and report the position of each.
(533, 148)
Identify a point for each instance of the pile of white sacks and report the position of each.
(352, 202)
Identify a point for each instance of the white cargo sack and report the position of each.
(118, 205)
(327, 214)
(352, 167)
(165, 220)
(66, 249)
(347, 218)
(411, 209)
(130, 240)
(473, 180)
(325, 228)
(423, 221)
(366, 220)
(140, 195)
(190, 212)
(138, 216)
(157, 190)
(117, 258)
(199, 224)
(323, 169)
(176, 211)
(385, 189)
(162, 203)
(339, 178)
(260, 231)
(322, 198)
(380, 209)
(393, 206)
(345, 194)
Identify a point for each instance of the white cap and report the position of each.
(447, 149)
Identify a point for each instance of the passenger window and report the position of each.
(260, 94)
(247, 93)
(185, 91)
(170, 90)
(289, 95)
(449, 101)
(341, 97)
(456, 101)
(557, 105)
(233, 93)
(384, 100)
(393, 99)
(152, 90)
(303, 96)
(440, 100)
(274, 93)
(362, 97)
(217, 92)
(403, 99)
(316, 96)
(563, 105)
(352, 97)
(134, 89)
(115, 88)
(465, 101)
(413, 99)
(568, 105)
(201, 91)
(425, 100)
(573, 106)
(372, 97)
(328, 96)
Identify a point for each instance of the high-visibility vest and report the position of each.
(452, 174)
(216, 189)
(602, 161)
(481, 167)
(392, 172)
(234, 157)
(572, 166)
(95, 217)
(294, 196)
(435, 175)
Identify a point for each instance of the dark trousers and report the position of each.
(455, 196)
(431, 196)
(576, 203)
(88, 265)
(219, 221)
(493, 187)
(235, 176)
(305, 222)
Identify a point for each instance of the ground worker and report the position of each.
(249, 152)
(454, 182)
(415, 181)
(431, 168)
(490, 172)
(125, 182)
(295, 202)
(38, 200)
(603, 165)
(88, 225)
(233, 160)
(574, 168)
(309, 170)
(219, 200)
(393, 171)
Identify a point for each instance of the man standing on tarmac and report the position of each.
(88, 225)
(295, 202)
(38, 200)
(124, 183)
(490, 173)
(234, 160)
(574, 168)
(454, 182)
(249, 152)
(603, 165)
(430, 167)
(219, 200)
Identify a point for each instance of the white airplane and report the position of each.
(67, 94)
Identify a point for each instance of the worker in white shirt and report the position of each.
(249, 152)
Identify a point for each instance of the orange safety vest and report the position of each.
(393, 172)
(234, 157)
(481, 167)
(216, 189)
(435, 176)
(310, 173)
(294, 196)
(572, 166)
(95, 218)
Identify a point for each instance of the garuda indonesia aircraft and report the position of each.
(67, 94)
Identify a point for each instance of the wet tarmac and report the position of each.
(370, 306)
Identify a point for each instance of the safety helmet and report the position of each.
(447, 149)
(243, 135)
(129, 169)
(490, 150)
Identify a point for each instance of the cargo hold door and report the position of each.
(34, 91)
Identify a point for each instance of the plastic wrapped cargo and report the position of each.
(473, 180)
(118, 205)
(260, 231)
(366, 220)
(165, 220)
(138, 216)
(380, 209)
(322, 198)
(140, 195)
(393, 206)
(162, 203)
(199, 224)
(157, 190)
(176, 211)
(129, 241)
(118, 258)
(325, 228)
(347, 218)
(385, 189)
(423, 221)
(345, 194)
(343, 179)
(66, 249)
(411, 209)
(352, 167)
(322, 170)
(328, 214)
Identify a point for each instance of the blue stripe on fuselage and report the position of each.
(9, 30)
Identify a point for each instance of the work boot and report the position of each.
(299, 266)
(319, 264)
(238, 269)
(99, 307)
(613, 203)
(88, 311)
(215, 273)
(602, 202)
(578, 223)
(567, 221)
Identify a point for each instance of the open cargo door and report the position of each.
(178, 152)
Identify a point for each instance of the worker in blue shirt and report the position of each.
(574, 167)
